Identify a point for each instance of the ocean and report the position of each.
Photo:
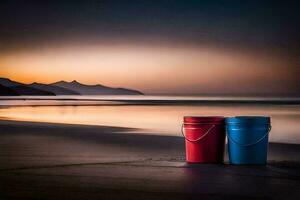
(154, 115)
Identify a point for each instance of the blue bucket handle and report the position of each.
(201, 137)
(250, 144)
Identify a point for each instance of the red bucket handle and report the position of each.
(249, 144)
(201, 137)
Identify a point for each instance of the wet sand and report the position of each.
(61, 161)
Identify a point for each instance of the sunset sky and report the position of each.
(166, 47)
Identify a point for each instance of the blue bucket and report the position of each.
(248, 139)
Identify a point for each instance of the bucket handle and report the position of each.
(250, 144)
(200, 138)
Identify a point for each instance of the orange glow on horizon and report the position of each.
(149, 69)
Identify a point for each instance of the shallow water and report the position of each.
(153, 119)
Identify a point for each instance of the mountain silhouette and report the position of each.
(55, 89)
(60, 88)
(23, 89)
(9, 83)
(95, 89)
(6, 91)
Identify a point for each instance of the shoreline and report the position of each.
(158, 100)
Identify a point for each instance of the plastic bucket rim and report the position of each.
(255, 120)
(203, 119)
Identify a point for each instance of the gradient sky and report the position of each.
(185, 47)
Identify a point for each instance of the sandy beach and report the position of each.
(60, 161)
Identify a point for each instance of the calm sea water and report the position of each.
(162, 119)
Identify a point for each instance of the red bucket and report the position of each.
(204, 139)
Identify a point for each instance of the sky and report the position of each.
(157, 47)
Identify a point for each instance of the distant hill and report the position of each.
(61, 88)
(6, 91)
(9, 83)
(95, 89)
(54, 89)
(25, 90)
